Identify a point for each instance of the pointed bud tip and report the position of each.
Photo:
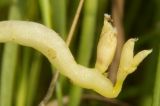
(108, 22)
(107, 16)
(108, 19)
(148, 51)
(133, 39)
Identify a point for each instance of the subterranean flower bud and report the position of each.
(129, 62)
(106, 46)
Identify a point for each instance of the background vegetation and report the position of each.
(25, 74)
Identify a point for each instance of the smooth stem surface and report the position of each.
(46, 17)
(54, 48)
(59, 9)
(62, 29)
(86, 44)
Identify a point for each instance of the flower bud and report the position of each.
(106, 46)
(138, 58)
(128, 62)
(127, 54)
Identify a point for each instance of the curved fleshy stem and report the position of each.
(54, 48)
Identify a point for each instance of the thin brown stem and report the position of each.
(75, 21)
(117, 13)
(68, 41)
(50, 90)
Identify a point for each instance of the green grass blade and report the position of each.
(46, 12)
(9, 63)
(156, 94)
(23, 81)
(156, 91)
(34, 78)
(59, 16)
(59, 94)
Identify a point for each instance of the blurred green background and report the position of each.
(25, 74)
